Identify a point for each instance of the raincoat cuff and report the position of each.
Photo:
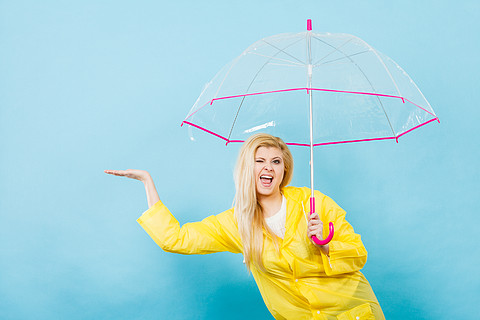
(150, 212)
(343, 261)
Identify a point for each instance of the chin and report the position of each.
(267, 192)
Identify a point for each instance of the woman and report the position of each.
(271, 228)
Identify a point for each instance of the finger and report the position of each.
(115, 172)
(316, 227)
(310, 234)
(315, 224)
(314, 216)
(316, 231)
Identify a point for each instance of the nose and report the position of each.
(268, 167)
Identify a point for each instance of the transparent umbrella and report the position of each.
(311, 89)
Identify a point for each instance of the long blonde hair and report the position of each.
(248, 210)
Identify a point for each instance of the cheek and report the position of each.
(257, 169)
(280, 173)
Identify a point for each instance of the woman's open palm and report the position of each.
(129, 173)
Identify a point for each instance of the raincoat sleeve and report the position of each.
(347, 252)
(213, 234)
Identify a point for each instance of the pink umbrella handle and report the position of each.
(330, 226)
(327, 239)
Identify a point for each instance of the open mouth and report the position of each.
(266, 180)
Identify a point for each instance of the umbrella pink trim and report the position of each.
(210, 102)
(256, 93)
(316, 144)
(307, 89)
(422, 109)
(211, 132)
(208, 131)
(420, 125)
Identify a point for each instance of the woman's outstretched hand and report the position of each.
(315, 228)
(141, 175)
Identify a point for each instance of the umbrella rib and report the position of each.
(234, 62)
(235, 120)
(281, 50)
(366, 78)
(354, 54)
(383, 64)
(378, 98)
(334, 49)
(280, 59)
(286, 65)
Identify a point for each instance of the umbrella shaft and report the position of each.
(311, 143)
(310, 92)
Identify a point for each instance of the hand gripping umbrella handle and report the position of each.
(330, 227)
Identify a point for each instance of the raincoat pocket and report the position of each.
(361, 312)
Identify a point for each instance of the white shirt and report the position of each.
(276, 223)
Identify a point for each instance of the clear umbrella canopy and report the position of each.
(311, 89)
(358, 93)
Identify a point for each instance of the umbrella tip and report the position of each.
(309, 24)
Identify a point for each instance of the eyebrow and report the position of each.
(275, 158)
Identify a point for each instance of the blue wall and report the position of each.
(93, 85)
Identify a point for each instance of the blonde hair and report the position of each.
(248, 210)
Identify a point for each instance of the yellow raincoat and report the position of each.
(301, 282)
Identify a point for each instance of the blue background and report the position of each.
(93, 85)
